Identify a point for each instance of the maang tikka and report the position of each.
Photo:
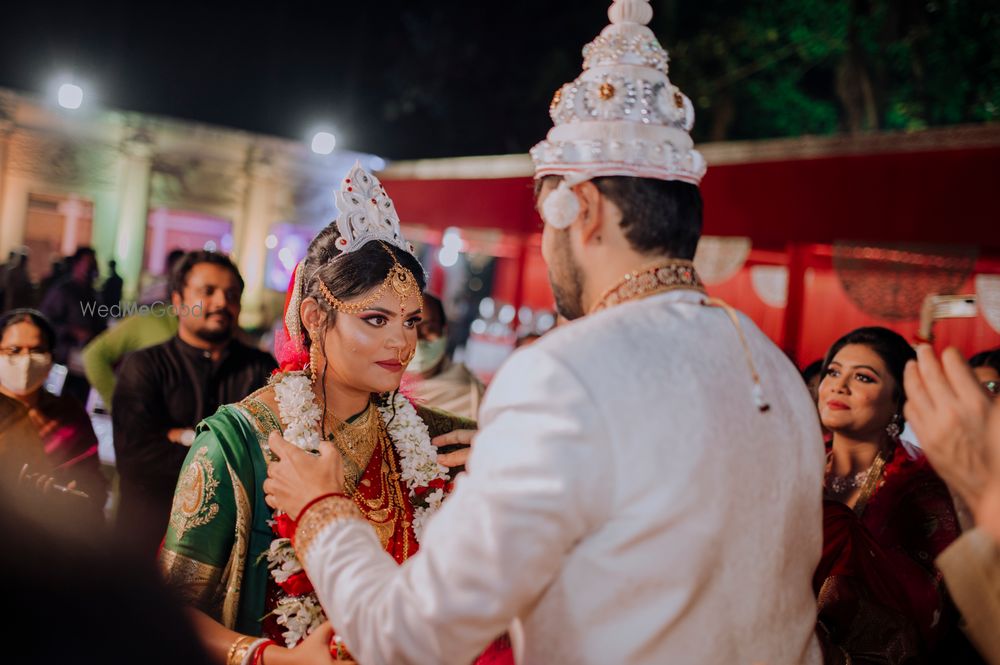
(399, 281)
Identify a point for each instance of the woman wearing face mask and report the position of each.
(886, 516)
(26, 341)
(350, 330)
(432, 378)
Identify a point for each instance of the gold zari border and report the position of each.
(320, 515)
(194, 581)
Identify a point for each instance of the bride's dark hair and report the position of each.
(350, 275)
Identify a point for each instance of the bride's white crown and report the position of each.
(366, 213)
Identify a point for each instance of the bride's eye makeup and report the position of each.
(379, 319)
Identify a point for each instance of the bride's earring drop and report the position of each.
(315, 357)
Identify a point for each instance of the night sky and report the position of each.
(401, 78)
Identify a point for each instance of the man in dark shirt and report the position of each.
(164, 391)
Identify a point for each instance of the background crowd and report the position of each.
(910, 569)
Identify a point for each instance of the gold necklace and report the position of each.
(668, 275)
(387, 508)
(356, 442)
(872, 481)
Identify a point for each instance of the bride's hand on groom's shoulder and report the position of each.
(454, 446)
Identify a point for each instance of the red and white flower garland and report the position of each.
(427, 481)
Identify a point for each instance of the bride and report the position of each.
(351, 318)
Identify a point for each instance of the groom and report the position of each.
(645, 486)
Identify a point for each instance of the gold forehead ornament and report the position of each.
(400, 280)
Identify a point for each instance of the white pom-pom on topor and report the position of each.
(560, 207)
(630, 11)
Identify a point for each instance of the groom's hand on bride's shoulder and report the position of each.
(297, 477)
(454, 447)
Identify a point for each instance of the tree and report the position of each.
(793, 67)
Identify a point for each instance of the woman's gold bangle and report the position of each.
(238, 649)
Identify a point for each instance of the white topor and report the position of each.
(622, 115)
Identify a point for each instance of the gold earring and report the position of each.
(315, 356)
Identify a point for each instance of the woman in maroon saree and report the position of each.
(26, 339)
(886, 516)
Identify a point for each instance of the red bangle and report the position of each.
(258, 655)
(317, 500)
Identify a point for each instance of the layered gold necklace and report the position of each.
(356, 442)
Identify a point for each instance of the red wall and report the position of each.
(944, 197)
(947, 196)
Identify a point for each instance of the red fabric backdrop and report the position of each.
(788, 209)
(828, 313)
(946, 196)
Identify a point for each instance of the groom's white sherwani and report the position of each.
(625, 502)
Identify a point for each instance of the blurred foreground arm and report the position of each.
(959, 428)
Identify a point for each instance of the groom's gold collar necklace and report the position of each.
(660, 277)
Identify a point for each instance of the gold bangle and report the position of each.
(238, 649)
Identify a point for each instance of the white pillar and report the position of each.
(136, 163)
(11, 229)
(71, 209)
(14, 214)
(251, 255)
(158, 244)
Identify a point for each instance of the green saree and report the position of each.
(218, 530)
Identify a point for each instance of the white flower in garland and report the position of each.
(301, 615)
(424, 477)
(282, 561)
(301, 415)
(435, 499)
(417, 459)
(422, 514)
(299, 410)
(412, 440)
